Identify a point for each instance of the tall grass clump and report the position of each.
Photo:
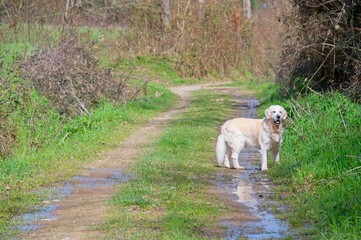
(321, 164)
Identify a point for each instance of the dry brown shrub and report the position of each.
(202, 39)
(322, 51)
(16, 12)
(214, 40)
(267, 39)
(69, 76)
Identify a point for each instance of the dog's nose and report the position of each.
(278, 116)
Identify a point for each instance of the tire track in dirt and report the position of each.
(79, 206)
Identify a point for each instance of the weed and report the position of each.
(264, 90)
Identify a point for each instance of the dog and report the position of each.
(264, 134)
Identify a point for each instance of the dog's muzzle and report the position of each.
(277, 121)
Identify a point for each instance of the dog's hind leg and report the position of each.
(227, 156)
(236, 145)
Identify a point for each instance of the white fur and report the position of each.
(264, 134)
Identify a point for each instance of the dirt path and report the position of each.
(75, 209)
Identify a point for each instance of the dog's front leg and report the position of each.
(276, 154)
(264, 160)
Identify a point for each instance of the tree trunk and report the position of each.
(166, 15)
(247, 8)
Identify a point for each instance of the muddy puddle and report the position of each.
(94, 178)
(251, 189)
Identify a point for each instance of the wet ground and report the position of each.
(250, 189)
(74, 209)
(95, 179)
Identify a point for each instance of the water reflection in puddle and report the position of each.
(249, 188)
(95, 178)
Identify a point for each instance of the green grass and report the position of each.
(60, 148)
(320, 167)
(167, 198)
(264, 91)
(157, 69)
(18, 42)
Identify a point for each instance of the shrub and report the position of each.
(69, 76)
(322, 48)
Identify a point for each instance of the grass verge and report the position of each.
(320, 171)
(167, 199)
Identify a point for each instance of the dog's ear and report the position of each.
(284, 114)
(268, 113)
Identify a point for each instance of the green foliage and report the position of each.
(160, 69)
(167, 195)
(321, 164)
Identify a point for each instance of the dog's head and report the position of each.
(276, 113)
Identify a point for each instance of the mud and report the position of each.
(96, 178)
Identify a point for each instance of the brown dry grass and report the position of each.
(267, 39)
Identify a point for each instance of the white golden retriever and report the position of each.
(264, 134)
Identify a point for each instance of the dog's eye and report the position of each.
(274, 111)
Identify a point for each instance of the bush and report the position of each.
(69, 76)
(322, 48)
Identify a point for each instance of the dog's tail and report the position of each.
(221, 149)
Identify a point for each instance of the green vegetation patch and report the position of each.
(167, 198)
(159, 69)
(321, 162)
(265, 91)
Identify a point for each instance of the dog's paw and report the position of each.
(238, 167)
